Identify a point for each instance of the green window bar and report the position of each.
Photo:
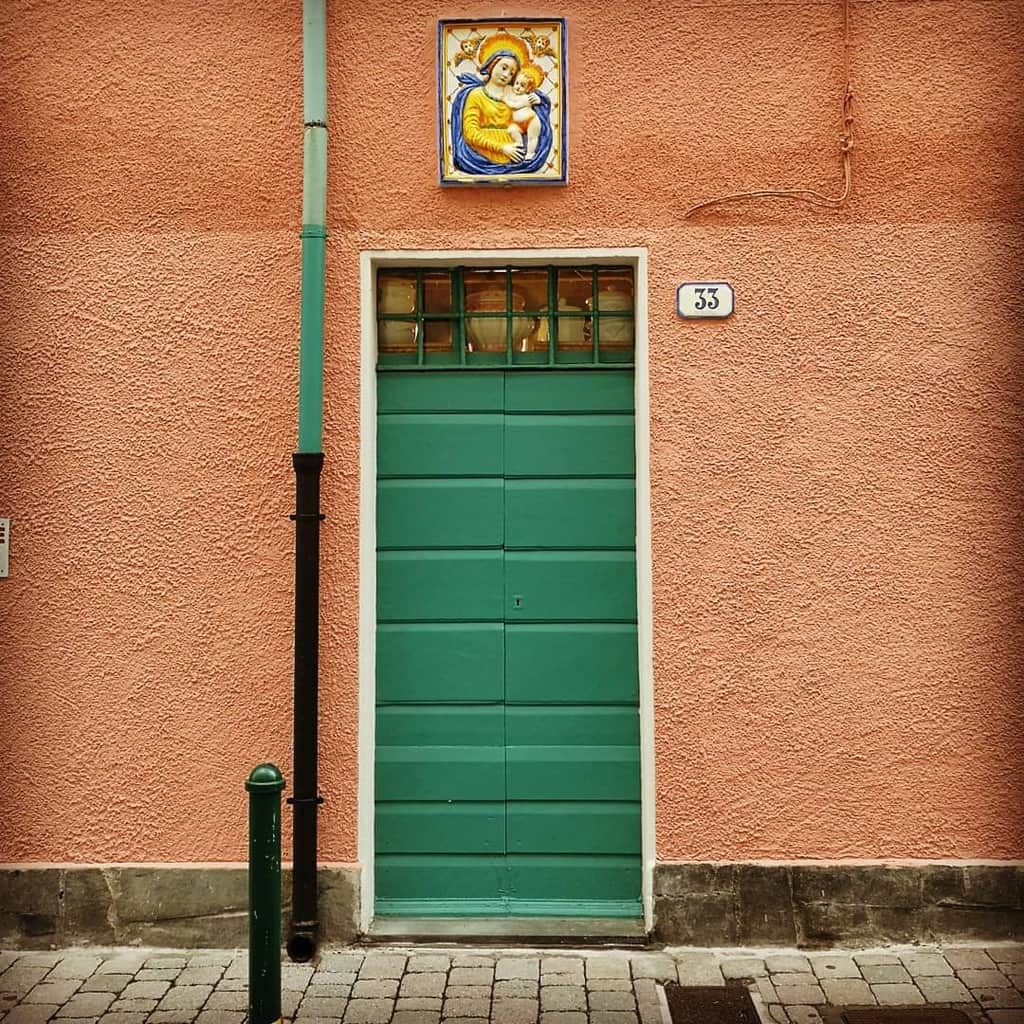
(505, 316)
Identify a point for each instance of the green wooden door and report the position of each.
(507, 747)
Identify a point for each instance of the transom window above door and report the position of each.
(505, 316)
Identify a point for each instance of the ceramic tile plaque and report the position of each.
(501, 101)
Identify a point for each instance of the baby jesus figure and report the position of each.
(520, 96)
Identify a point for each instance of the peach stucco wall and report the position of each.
(838, 563)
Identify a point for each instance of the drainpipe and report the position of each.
(308, 462)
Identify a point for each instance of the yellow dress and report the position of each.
(485, 125)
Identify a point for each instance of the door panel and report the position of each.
(440, 662)
(585, 392)
(571, 664)
(569, 446)
(573, 827)
(570, 585)
(441, 827)
(440, 392)
(570, 514)
(440, 445)
(440, 773)
(440, 513)
(573, 772)
(439, 586)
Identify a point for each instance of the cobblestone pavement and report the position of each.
(400, 985)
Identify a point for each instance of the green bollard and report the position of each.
(264, 787)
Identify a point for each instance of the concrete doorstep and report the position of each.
(404, 985)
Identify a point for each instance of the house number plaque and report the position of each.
(705, 300)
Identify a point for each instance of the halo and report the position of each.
(502, 41)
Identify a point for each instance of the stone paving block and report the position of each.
(984, 979)
(381, 965)
(415, 1017)
(561, 1017)
(834, 965)
(53, 991)
(473, 960)
(510, 968)
(651, 1014)
(613, 1017)
(610, 985)
(969, 959)
(468, 992)
(228, 1001)
(653, 965)
(875, 959)
(561, 965)
(925, 965)
(563, 997)
(122, 963)
(418, 1003)
(1011, 954)
(145, 990)
(30, 1013)
(607, 967)
(1016, 978)
(699, 969)
(200, 976)
(185, 997)
(290, 1002)
(158, 973)
(466, 1008)
(782, 980)
(327, 991)
(375, 988)
(39, 958)
(515, 988)
(166, 960)
(181, 1016)
(996, 1016)
(133, 1005)
(847, 992)
(998, 998)
(800, 995)
(423, 984)
(744, 967)
(778, 1015)
(342, 963)
(897, 995)
(804, 1015)
(19, 979)
(321, 1008)
(86, 1004)
(646, 991)
(75, 966)
(767, 991)
(210, 958)
(238, 968)
(333, 978)
(296, 976)
(787, 964)
(220, 1017)
(471, 976)
(428, 964)
(123, 1018)
(944, 990)
(106, 983)
(514, 1011)
(612, 1001)
(231, 985)
(885, 974)
(369, 1011)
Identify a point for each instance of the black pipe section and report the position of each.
(305, 799)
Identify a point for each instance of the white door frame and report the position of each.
(370, 261)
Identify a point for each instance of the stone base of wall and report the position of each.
(839, 904)
(202, 905)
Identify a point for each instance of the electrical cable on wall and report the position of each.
(808, 195)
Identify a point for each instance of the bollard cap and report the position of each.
(264, 778)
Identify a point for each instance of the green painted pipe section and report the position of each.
(314, 225)
(314, 62)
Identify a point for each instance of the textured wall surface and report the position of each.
(838, 554)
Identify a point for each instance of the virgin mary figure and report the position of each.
(481, 114)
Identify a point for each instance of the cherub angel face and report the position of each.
(522, 85)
